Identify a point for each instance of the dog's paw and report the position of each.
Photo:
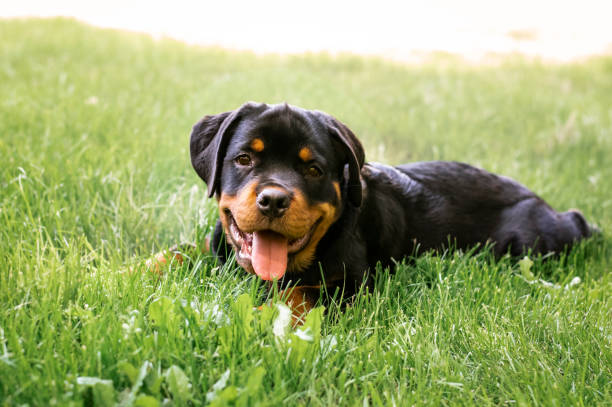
(176, 255)
(160, 260)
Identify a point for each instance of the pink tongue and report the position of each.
(269, 255)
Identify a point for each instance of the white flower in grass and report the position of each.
(131, 324)
(304, 334)
(91, 381)
(215, 314)
(328, 344)
(575, 281)
(218, 386)
(281, 323)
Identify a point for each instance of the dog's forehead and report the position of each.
(284, 130)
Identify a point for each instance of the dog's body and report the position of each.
(297, 202)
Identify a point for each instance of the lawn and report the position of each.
(95, 177)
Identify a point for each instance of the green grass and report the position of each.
(95, 176)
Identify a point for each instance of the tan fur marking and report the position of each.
(305, 154)
(327, 214)
(243, 208)
(337, 188)
(300, 299)
(257, 145)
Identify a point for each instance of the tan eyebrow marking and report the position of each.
(337, 188)
(305, 154)
(257, 145)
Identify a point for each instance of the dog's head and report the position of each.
(282, 176)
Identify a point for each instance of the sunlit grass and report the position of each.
(95, 177)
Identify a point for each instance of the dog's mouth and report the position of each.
(265, 252)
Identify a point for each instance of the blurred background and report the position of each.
(550, 29)
(106, 98)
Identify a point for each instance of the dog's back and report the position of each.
(429, 205)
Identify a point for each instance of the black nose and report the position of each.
(273, 202)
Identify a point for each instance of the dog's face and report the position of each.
(282, 176)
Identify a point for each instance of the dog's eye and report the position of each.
(314, 171)
(243, 159)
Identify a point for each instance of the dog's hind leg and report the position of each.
(533, 224)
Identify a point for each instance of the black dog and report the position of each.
(297, 203)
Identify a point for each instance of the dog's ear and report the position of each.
(354, 157)
(209, 140)
(204, 149)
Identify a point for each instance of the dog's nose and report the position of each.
(273, 202)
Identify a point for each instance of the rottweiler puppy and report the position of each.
(298, 204)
